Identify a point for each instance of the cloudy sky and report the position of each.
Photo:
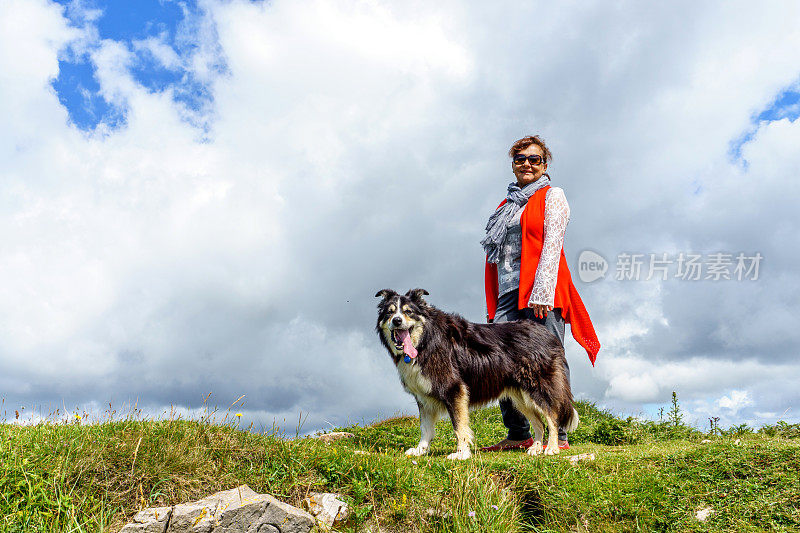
(204, 197)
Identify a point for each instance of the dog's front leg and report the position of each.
(427, 428)
(459, 414)
(552, 435)
(538, 434)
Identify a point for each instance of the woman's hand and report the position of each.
(540, 310)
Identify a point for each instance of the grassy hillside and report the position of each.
(647, 476)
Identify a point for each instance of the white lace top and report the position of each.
(556, 218)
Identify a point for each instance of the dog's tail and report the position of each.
(572, 423)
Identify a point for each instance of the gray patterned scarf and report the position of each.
(498, 223)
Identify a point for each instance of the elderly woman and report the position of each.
(526, 271)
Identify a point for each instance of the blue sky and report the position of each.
(786, 105)
(171, 22)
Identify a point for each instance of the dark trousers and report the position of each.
(518, 426)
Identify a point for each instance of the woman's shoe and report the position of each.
(564, 446)
(505, 445)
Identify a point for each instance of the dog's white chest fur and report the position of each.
(413, 380)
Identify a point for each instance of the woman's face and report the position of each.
(526, 172)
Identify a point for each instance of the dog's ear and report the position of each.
(416, 296)
(385, 293)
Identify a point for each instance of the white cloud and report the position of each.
(31, 34)
(362, 145)
(737, 400)
(159, 50)
(638, 388)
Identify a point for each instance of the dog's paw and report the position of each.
(416, 452)
(460, 455)
(535, 449)
(551, 450)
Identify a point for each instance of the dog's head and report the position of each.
(401, 321)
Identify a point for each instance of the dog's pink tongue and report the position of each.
(408, 348)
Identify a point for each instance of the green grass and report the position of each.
(647, 476)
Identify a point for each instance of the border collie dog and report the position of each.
(450, 365)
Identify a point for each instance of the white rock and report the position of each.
(438, 513)
(327, 507)
(575, 459)
(703, 514)
(239, 510)
(193, 517)
(705, 441)
(327, 438)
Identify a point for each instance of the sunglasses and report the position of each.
(532, 159)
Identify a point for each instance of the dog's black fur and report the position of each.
(483, 361)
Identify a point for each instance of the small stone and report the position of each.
(326, 507)
(705, 441)
(327, 438)
(575, 459)
(360, 452)
(737, 442)
(703, 514)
